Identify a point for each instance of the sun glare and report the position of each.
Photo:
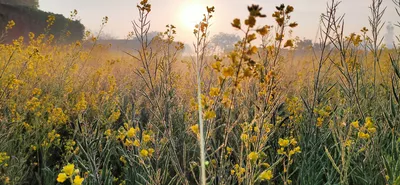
(192, 14)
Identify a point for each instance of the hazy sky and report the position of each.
(179, 12)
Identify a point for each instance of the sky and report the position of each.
(182, 14)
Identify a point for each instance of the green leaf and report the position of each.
(396, 96)
(395, 66)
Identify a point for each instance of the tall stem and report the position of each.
(201, 124)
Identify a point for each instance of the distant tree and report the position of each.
(34, 20)
(317, 46)
(224, 41)
(150, 36)
(188, 49)
(106, 36)
(304, 44)
(28, 3)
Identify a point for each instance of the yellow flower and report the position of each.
(355, 124)
(195, 129)
(348, 143)
(264, 30)
(114, 116)
(81, 105)
(289, 43)
(251, 21)
(281, 151)
(371, 130)
(33, 147)
(228, 150)
(151, 151)
(363, 135)
(129, 142)
(78, 180)
(136, 143)
(252, 50)
(121, 135)
(370, 125)
(10, 25)
(244, 137)
(265, 175)
(242, 170)
(253, 156)
(226, 101)
(283, 142)
(227, 71)
(146, 138)
(62, 177)
(107, 133)
(296, 150)
(69, 169)
(236, 23)
(293, 142)
(57, 116)
(144, 153)
(256, 129)
(253, 139)
(36, 91)
(122, 159)
(209, 115)
(320, 121)
(131, 132)
(368, 122)
(214, 92)
(216, 65)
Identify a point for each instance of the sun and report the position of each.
(192, 14)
